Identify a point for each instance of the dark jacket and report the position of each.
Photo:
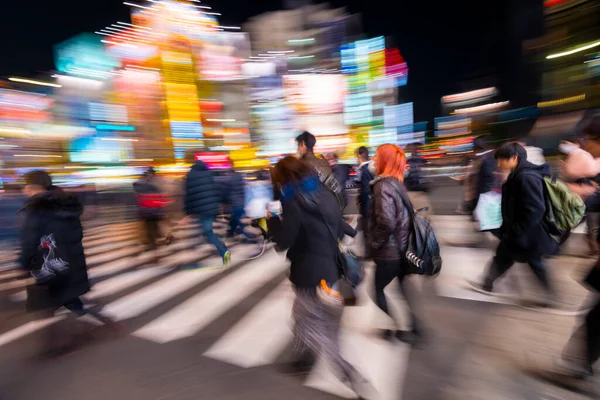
(235, 189)
(150, 199)
(56, 213)
(320, 165)
(523, 209)
(364, 189)
(486, 177)
(302, 230)
(390, 220)
(202, 194)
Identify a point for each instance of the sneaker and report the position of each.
(226, 259)
(480, 287)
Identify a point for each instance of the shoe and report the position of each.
(572, 369)
(227, 259)
(386, 334)
(299, 367)
(480, 287)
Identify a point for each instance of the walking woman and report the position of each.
(52, 251)
(390, 226)
(310, 220)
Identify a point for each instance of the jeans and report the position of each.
(503, 261)
(236, 216)
(209, 234)
(385, 273)
(593, 230)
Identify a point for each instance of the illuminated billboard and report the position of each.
(320, 94)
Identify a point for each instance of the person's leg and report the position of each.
(500, 264)
(411, 296)
(209, 235)
(593, 229)
(236, 216)
(592, 325)
(539, 269)
(385, 272)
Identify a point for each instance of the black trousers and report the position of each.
(152, 226)
(503, 261)
(385, 273)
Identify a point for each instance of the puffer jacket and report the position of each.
(202, 194)
(390, 220)
(235, 189)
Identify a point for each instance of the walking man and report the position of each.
(202, 201)
(523, 236)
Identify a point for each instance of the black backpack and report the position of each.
(423, 253)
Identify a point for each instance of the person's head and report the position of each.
(362, 154)
(36, 182)
(591, 129)
(480, 144)
(509, 155)
(390, 161)
(290, 170)
(306, 143)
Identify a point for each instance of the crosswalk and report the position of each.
(162, 303)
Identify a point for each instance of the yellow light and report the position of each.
(220, 120)
(575, 50)
(36, 155)
(560, 102)
(31, 81)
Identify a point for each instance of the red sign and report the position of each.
(214, 160)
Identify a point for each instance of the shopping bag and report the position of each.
(489, 211)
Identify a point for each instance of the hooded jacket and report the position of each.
(523, 233)
(308, 209)
(58, 214)
(202, 194)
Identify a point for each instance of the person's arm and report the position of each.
(348, 230)
(285, 230)
(29, 240)
(385, 214)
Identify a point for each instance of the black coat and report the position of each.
(58, 214)
(312, 248)
(234, 190)
(390, 220)
(202, 194)
(364, 189)
(523, 233)
(486, 176)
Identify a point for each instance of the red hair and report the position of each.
(391, 161)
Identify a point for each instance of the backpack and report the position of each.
(423, 253)
(565, 210)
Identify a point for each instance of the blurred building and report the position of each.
(310, 35)
(568, 55)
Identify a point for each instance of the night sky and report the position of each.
(443, 45)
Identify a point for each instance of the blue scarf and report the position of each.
(306, 185)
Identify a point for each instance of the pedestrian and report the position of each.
(234, 195)
(523, 236)
(577, 361)
(11, 201)
(365, 174)
(481, 176)
(390, 228)
(310, 220)
(581, 172)
(340, 172)
(203, 198)
(306, 147)
(151, 203)
(52, 251)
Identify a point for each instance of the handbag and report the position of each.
(350, 269)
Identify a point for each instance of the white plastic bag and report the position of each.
(489, 211)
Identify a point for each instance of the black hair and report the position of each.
(510, 150)
(308, 139)
(480, 144)
(363, 151)
(40, 178)
(592, 127)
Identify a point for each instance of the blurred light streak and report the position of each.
(135, 5)
(74, 79)
(300, 41)
(119, 139)
(220, 120)
(560, 102)
(473, 94)
(136, 26)
(136, 160)
(301, 57)
(484, 107)
(575, 50)
(33, 82)
(105, 127)
(14, 130)
(37, 155)
(119, 44)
